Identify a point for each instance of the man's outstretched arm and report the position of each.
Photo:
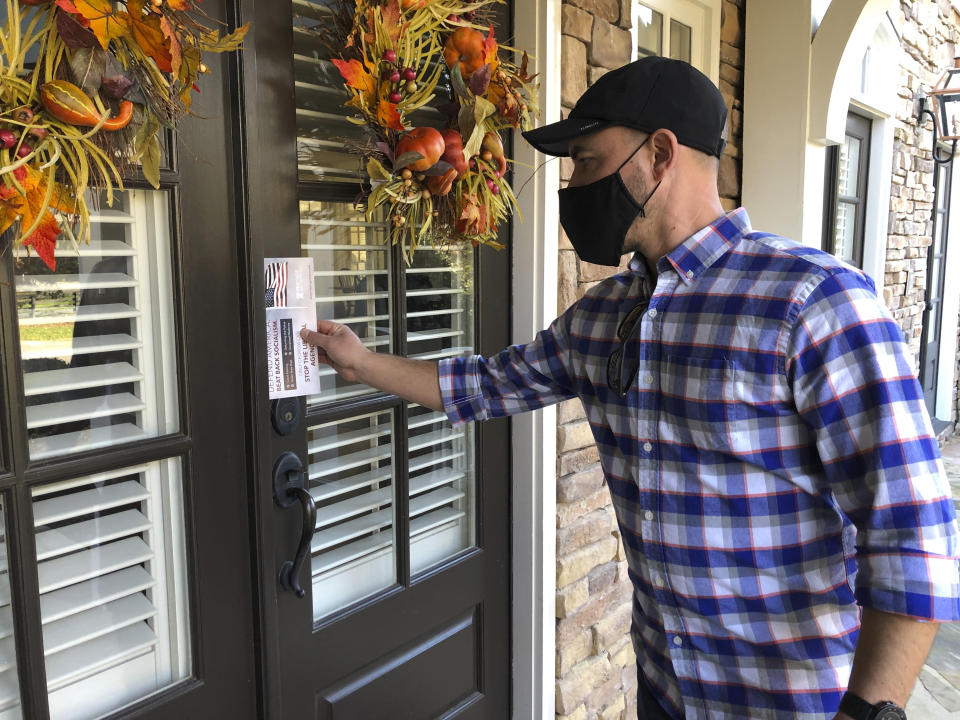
(414, 380)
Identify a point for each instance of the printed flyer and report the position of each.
(291, 305)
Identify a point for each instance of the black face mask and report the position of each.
(596, 217)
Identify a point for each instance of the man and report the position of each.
(788, 528)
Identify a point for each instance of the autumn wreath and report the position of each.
(85, 88)
(445, 184)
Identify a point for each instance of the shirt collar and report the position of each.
(699, 251)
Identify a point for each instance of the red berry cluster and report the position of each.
(10, 138)
(401, 79)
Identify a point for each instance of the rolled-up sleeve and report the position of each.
(855, 388)
(517, 379)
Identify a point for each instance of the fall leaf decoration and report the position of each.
(395, 57)
(102, 81)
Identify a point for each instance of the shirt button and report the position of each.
(647, 447)
(648, 379)
(657, 580)
(648, 515)
(689, 273)
(677, 640)
(652, 312)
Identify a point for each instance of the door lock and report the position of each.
(285, 415)
(289, 477)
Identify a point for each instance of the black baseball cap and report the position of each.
(647, 94)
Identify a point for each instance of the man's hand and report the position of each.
(339, 347)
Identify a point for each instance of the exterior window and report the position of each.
(394, 482)
(678, 29)
(845, 202)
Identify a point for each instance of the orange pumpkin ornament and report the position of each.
(469, 49)
(66, 102)
(425, 140)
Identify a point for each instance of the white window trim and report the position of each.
(701, 15)
(534, 474)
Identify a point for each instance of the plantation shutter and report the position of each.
(357, 461)
(112, 587)
(90, 331)
(441, 464)
(96, 345)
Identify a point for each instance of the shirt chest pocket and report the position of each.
(699, 401)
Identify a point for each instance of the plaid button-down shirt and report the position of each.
(772, 465)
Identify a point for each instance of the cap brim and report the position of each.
(554, 139)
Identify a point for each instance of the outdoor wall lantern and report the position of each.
(945, 98)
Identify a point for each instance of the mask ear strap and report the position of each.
(643, 205)
(633, 153)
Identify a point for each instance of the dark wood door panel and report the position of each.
(399, 619)
(422, 680)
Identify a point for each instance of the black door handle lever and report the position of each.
(288, 488)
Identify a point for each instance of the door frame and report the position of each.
(534, 435)
(254, 85)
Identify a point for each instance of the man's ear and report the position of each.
(665, 151)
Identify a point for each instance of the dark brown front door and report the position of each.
(125, 582)
(406, 609)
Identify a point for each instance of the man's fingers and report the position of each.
(313, 337)
(327, 327)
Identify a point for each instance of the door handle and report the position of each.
(288, 489)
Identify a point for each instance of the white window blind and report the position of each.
(321, 118)
(97, 335)
(352, 278)
(351, 479)
(440, 324)
(9, 679)
(112, 576)
(355, 550)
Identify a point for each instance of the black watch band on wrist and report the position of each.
(859, 709)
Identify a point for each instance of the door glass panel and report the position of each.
(113, 587)
(322, 123)
(9, 680)
(97, 336)
(351, 478)
(440, 322)
(649, 32)
(350, 257)
(680, 41)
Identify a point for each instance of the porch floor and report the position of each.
(937, 692)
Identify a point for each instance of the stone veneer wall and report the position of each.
(929, 32)
(595, 663)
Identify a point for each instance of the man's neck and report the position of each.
(675, 229)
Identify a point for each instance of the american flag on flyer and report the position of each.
(276, 284)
